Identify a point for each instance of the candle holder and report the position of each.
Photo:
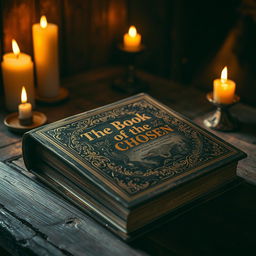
(63, 95)
(14, 124)
(130, 83)
(221, 120)
(26, 121)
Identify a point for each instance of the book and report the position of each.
(131, 163)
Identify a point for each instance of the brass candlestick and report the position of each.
(14, 124)
(221, 120)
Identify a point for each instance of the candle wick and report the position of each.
(17, 55)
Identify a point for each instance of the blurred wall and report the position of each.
(186, 41)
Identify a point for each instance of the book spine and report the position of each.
(35, 158)
(28, 150)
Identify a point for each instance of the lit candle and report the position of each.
(17, 69)
(132, 40)
(223, 88)
(45, 42)
(25, 109)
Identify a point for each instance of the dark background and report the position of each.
(187, 41)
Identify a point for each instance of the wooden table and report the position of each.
(34, 220)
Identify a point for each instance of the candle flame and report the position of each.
(23, 95)
(43, 22)
(15, 48)
(132, 31)
(224, 73)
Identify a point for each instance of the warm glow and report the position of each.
(15, 48)
(224, 73)
(132, 31)
(43, 22)
(23, 95)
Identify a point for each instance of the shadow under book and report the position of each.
(131, 163)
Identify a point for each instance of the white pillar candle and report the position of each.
(17, 69)
(45, 42)
(25, 108)
(224, 88)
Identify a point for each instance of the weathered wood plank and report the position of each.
(142, 244)
(19, 239)
(187, 101)
(6, 137)
(60, 223)
(86, 90)
(92, 76)
(12, 227)
(169, 239)
(19, 165)
(247, 118)
(223, 226)
(1, 44)
(244, 139)
(10, 151)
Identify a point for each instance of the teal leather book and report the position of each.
(118, 161)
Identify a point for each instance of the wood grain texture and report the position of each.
(53, 219)
(32, 215)
(1, 45)
(22, 239)
(244, 139)
(99, 26)
(10, 151)
(76, 35)
(153, 21)
(18, 17)
(51, 9)
(88, 29)
(6, 136)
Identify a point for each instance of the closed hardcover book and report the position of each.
(131, 163)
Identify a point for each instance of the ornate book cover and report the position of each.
(134, 149)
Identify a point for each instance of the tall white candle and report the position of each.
(17, 69)
(45, 42)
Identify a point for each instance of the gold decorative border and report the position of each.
(110, 182)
